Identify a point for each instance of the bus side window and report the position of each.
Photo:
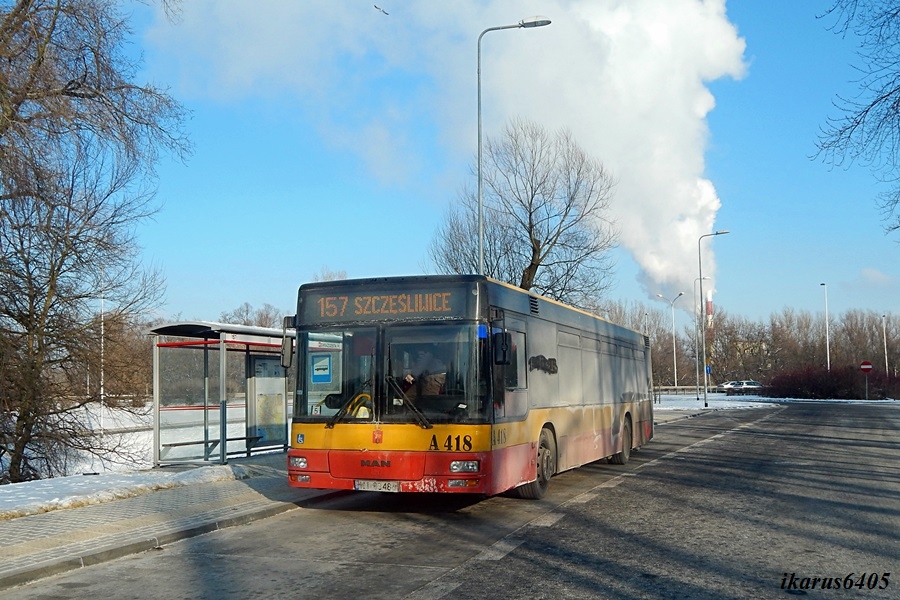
(512, 400)
(515, 369)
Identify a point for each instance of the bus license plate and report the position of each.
(368, 485)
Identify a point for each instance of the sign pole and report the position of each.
(865, 366)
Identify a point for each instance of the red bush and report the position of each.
(845, 383)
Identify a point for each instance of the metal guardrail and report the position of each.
(681, 390)
(690, 390)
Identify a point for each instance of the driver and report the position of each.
(427, 376)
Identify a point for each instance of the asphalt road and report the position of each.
(761, 503)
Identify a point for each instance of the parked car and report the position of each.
(746, 386)
(724, 387)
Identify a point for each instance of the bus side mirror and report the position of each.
(287, 343)
(502, 348)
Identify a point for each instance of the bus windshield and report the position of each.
(418, 374)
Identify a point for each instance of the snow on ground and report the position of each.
(716, 402)
(33, 497)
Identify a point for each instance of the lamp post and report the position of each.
(674, 362)
(827, 341)
(102, 335)
(703, 311)
(884, 336)
(524, 23)
(697, 331)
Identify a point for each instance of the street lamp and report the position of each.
(703, 311)
(674, 363)
(102, 335)
(524, 23)
(697, 331)
(884, 335)
(827, 341)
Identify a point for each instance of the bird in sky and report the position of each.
(381, 9)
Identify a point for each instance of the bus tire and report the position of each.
(546, 468)
(620, 458)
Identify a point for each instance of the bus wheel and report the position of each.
(546, 468)
(622, 457)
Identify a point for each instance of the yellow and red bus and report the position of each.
(457, 383)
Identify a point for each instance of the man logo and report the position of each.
(375, 463)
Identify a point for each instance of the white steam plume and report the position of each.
(627, 77)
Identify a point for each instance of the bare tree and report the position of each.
(126, 364)
(63, 253)
(267, 316)
(547, 226)
(737, 348)
(78, 143)
(326, 274)
(868, 129)
(792, 342)
(857, 336)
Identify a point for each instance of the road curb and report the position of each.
(682, 417)
(53, 567)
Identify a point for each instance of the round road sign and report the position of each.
(865, 366)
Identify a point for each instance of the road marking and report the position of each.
(499, 549)
(583, 498)
(697, 444)
(435, 590)
(443, 585)
(547, 520)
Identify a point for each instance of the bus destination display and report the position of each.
(344, 305)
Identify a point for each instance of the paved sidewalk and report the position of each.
(37, 546)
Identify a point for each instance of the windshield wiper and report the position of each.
(340, 413)
(420, 416)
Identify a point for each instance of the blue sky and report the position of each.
(329, 135)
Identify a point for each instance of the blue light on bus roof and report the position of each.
(482, 332)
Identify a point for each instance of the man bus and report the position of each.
(457, 383)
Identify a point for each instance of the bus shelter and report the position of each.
(219, 390)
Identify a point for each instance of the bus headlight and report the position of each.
(298, 462)
(464, 466)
